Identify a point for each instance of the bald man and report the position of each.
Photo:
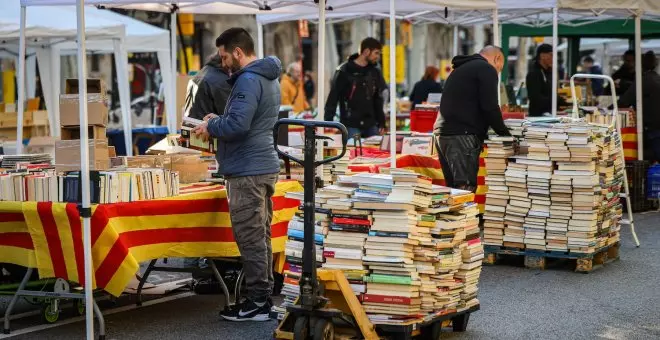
(292, 90)
(468, 108)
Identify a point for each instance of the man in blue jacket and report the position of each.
(248, 161)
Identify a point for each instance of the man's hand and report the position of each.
(381, 131)
(202, 131)
(210, 116)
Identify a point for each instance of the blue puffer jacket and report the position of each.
(245, 130)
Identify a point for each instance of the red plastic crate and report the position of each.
(422, 120)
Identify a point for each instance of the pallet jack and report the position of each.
(327, 304)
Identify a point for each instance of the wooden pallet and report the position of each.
(537, 259)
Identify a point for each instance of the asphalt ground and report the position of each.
(619, 301)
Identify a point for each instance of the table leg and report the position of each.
(229, 301)
(14, 299)
(101, 321)
(143, 280)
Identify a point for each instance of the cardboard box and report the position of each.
(67, 155)
(72, 86)
(30, 118)
(42, 145)
(73, 132)
(97, 111)
(190, 167)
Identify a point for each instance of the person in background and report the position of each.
(468, 108)
(590, 68)
(539, 84)
(310, 87)
(650, 102)
(428, 84)
(293, 93)
(624, 77)
(208, 91)
(248, 161)
(357, 87)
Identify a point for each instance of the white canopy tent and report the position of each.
(46, 28)
(140, 37)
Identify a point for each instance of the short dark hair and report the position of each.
(629, 53)
(588, 59)
(236, 37)
(649, 61)
(370, 44)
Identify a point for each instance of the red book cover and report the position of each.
(354, 221)
(396, 300)
(291, 281)
(474, 241)
(330, 254)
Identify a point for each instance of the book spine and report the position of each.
(396, 300)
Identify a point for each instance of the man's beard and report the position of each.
(235, 65)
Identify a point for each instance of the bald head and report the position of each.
(294, 71)
(494, 56)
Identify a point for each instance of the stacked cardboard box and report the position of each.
(67, 151)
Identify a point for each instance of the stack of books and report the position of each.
(42, 184)
(497, 197)
(562, 188)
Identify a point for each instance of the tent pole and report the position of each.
(455, 42)
(21, 83)
(638, 86)
(392, 57)
(260, 40)
(496, 42)
(172, 120)
(84, 173)
(555, 74)
(320, 77)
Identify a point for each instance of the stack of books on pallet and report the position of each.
(409, 248)
(459, 262)
(562, 188)
(499, 150)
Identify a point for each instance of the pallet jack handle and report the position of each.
(310, 126)
(310, 298)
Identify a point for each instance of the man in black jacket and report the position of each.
(624, 77)
(468, 108)
(650, 103)
(358, 88)
(208, 91)
(539, 84)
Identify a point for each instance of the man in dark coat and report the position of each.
(539, 84)
(208, 91)
(468, 108)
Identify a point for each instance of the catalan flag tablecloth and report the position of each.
(429, 166)
(48, 236)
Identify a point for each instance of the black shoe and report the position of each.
(248, 311)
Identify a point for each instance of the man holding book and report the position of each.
(248, 160)
(468, 108)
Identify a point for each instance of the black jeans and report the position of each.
(459, 158)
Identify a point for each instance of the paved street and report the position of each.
(619, 301)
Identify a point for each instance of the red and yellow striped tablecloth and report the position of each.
(629, 141)
(429, 166)
(48, 236)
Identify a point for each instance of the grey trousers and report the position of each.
(251, 211)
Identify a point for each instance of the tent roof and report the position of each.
(49, 22)
(140, 36)
(264, 6)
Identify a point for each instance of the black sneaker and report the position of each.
(248, 311)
